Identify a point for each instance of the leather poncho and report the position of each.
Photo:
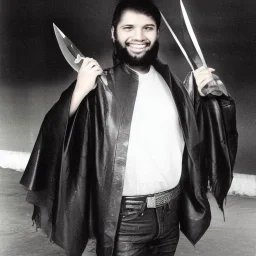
(76, 170)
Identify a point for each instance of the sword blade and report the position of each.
(192, 35)
(177, 41)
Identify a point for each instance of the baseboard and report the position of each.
(14, 160)
(243, 184)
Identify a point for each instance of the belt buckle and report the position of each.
(151, 202)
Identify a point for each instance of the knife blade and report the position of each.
(71, 52)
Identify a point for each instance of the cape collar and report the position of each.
(161, 68)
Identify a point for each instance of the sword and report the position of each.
(194, 55)
(71, 53)
(198, 58)
(193, 49)
(177, 41)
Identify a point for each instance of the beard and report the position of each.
(121, 54)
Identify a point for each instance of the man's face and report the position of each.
(136, 37)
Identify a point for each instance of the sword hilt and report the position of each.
(103, 79)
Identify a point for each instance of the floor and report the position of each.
(234, 237)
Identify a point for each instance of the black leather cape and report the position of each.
(76, 170)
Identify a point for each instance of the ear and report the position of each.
(112, 34)
(157, 33)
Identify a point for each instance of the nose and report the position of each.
(138, 34)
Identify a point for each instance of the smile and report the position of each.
(136, 47)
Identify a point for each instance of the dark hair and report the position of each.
(141, 6)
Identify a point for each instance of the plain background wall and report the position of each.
(33, 71)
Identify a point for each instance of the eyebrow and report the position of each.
(130, 25)
(149, 25)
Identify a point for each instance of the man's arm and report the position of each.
(216, 121)
(86, 78)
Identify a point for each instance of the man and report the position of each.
(122, 161)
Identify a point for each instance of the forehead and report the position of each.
(135, 18)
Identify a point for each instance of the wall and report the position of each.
(33, 71)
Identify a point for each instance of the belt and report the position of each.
(154, 200)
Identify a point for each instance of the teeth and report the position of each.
(139, 46)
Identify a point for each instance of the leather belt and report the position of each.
(155, 200)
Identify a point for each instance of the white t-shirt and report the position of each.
(156, 143)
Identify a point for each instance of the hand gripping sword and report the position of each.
(193, 55)
(71, 53)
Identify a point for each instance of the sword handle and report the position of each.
(103, 79)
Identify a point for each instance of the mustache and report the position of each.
(121, 53)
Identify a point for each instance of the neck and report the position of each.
(140, 69)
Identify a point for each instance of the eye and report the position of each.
(127, 28)
(149, 28)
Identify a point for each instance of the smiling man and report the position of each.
(125, 161)
(135, 37)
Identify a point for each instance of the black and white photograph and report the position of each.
(127, 128)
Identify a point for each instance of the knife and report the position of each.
(71, 52)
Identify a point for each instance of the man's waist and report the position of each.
(153, 200)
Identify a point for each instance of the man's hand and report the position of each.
(87, 75)
(203, 77)
(86, 81)
(209, 83)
